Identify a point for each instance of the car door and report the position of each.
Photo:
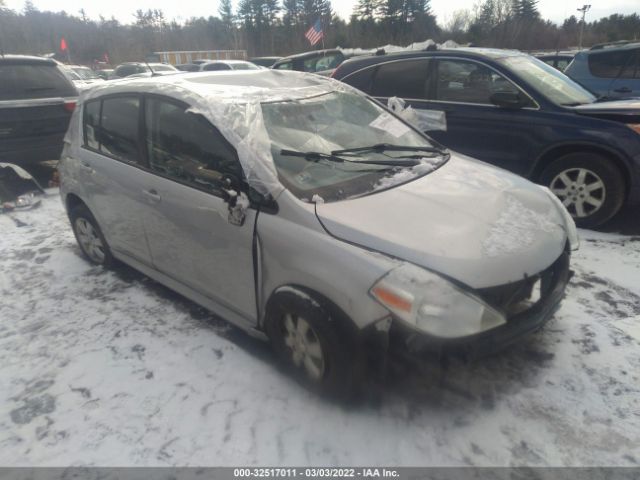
(627, 84)
(462, 89)
(613, 73)
(114, 173)
(189, 232)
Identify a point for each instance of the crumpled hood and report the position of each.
(467, 220)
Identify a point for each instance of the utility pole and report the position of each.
(584, 10)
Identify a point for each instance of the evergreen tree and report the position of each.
(367, 9)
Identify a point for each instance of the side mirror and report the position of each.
(235, 199)
(511, 100)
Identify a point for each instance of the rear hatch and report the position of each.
(36, 103)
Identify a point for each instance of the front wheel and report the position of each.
(311, 343)
(589, 185)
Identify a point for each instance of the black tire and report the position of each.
(599, 167)
(343, 373)
(77, 216)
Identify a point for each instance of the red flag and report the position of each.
(63, 44)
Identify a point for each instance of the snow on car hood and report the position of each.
(467, 220)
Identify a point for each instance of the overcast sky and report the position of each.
(555, 10)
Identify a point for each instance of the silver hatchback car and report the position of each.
(304, 212)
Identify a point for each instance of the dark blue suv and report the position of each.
(514, 111)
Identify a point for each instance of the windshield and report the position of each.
(342, 121)
(86, 73)
(551, 83)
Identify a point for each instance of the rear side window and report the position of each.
(186, 147)
(111, 127)
(609, 64)
(632, 69)
(405, 78)
(126, 70)
(326, 62)
(284, 66)
(20, 82)
(215, 67)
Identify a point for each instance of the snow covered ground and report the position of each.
(108, 368)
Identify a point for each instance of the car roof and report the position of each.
(244, 85)
(26, 59)
(613, 46)
(467, 52)
(314, 53)
(226, 61)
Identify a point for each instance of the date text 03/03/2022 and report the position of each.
(314, 473)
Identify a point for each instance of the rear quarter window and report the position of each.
(91, 124)
(21, 82)
(361, 79)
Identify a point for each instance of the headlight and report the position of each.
(432, 304)
(570, 225)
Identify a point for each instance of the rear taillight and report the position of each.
(69, 106)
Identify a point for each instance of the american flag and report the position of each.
(315, 33)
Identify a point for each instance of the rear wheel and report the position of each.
(589, 185)
(89, 236)
(313, 345)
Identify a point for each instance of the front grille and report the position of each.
(515, 298)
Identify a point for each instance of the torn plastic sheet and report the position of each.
(234, 110)
(424, 120)
(18, 189)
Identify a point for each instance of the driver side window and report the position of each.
(186, 147)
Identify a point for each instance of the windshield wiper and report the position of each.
(332, 157)
(386, 147)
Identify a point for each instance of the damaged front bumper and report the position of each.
(510, 299)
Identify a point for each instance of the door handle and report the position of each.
(623, 90)
(152, 195)
(86, 165)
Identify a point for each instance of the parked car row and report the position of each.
(326, 223)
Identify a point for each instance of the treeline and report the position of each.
(277, 27)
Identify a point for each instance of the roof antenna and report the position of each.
(153, 74)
